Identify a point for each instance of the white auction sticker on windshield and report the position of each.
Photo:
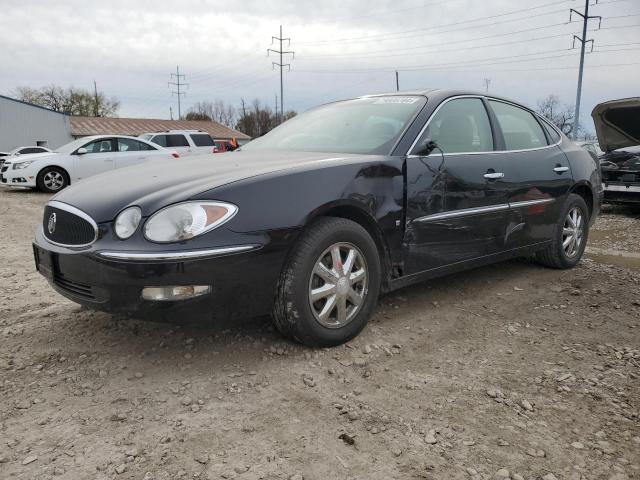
(408, 100)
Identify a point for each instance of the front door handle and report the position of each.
(493, 175)
(560, 169)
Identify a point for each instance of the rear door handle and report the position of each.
(494, 175)
(560, 169)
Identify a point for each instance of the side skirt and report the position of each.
(465, 265)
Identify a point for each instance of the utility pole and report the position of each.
(171, 112)
(281, 65)
(276, 106)
(96, 108)
(583, 41)
(397, 82)
(487, 82)
(177, 84)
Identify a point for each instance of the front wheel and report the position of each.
(329, 285)
(52, 179)
(569, 235)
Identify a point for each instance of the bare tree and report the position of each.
(560, 115)
(217, 111)
(255, 120)
(74, 101)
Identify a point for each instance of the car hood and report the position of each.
(617, 123)
(158, 183)
(27, 156)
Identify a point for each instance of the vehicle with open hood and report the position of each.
(617, 125)
(312, 221)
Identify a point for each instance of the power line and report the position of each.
(448, 42)
(428, 29)
(177, 84)
(281, 52)
(459, 64)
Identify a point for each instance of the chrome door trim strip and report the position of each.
(184, 255)
(528, 203)
(78, 213)
(463, 212)
(486, 97)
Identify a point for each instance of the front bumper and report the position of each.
(622, 192)
(243, 284)
(17, 178)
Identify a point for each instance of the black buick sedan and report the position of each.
(314, 220)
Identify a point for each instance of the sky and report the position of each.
(342, 49)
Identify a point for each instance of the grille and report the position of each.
(74, 288)
(63, 227)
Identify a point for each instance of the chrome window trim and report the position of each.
(481, 97)
(464, 212)
(78, 213)
(177, 255)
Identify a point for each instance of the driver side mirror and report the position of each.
(426, 147)
(81, 151)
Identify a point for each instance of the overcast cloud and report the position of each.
(342, 49)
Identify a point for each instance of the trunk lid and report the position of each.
(617, 123)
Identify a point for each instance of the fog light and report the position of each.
(178, 292)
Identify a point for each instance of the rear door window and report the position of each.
(202, 139)
(130, 145)
(160, 140)
(520, 128)
(177, 141)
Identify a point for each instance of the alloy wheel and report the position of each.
(338, 285)
(573, 232)
(53, 180)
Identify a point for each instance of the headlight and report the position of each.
(21, 165)
(187, 220)
(127, 222)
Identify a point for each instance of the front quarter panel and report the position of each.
(287, 201)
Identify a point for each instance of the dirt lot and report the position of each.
(511, 371)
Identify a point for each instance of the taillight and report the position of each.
(175, 155)
(215, 150)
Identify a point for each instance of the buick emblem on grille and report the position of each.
(51, 226)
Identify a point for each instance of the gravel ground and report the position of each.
(510, 371)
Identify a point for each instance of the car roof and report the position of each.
(98, 137)
(440, 94)
(175, 131)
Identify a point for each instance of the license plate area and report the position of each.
(621, 188)
(45, 262)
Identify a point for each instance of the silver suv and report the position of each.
(185, 142)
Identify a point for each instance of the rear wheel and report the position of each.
(330, 284)
(52, 179)
(569, 236)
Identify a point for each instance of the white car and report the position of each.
(79, 159)
(22, 151)
(185, 142)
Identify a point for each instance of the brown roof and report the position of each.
(83, 126)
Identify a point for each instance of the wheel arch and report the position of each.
(359, 214)
(585, 190)
(55, 165)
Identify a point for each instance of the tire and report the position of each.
(52, 179)
(556, 255)
(323, 323)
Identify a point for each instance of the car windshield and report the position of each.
(370, 125)
(71, 146)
